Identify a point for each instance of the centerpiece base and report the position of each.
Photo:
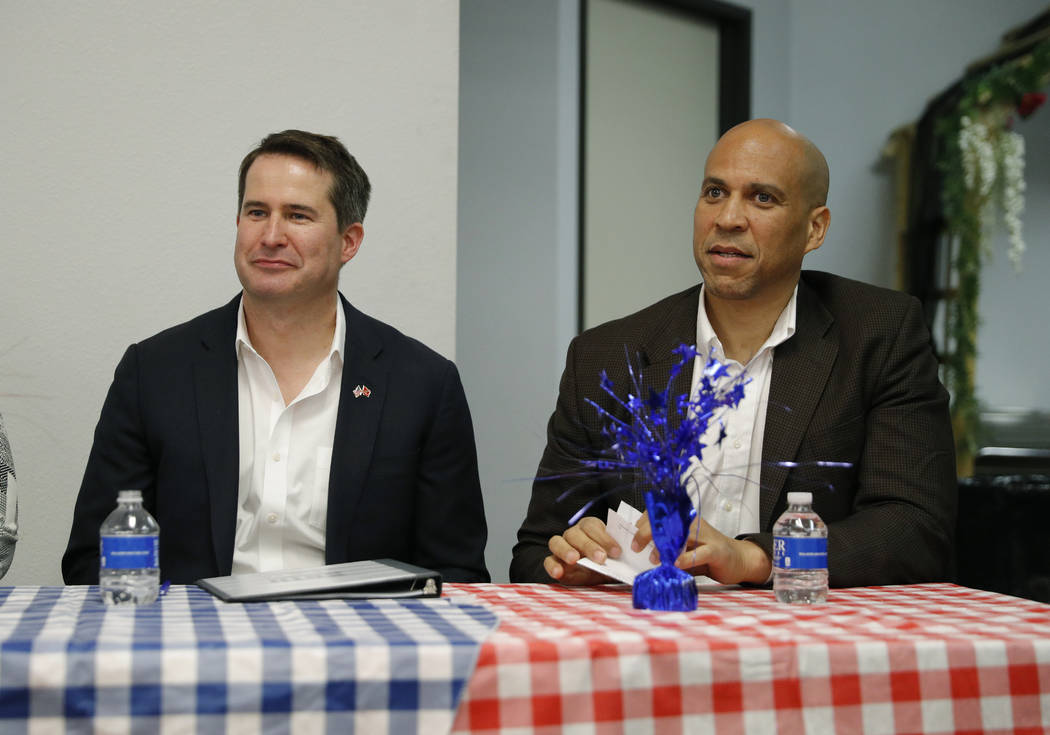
(657, 438)
(664, 588)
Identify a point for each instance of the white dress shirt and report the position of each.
(285, 459)
(729, 476)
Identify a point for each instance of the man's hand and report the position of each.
(711, 553)
(587, 538)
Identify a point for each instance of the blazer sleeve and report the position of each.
(119, 459)
(450, 524)
(902, 528)
(558, 479)
(893, 520)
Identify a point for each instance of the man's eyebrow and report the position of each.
(254, 204)
(769, 188)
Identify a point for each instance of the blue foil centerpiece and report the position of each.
(656, 438)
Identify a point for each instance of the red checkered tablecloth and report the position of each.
(931, 658)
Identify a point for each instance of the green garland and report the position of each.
(991, 100)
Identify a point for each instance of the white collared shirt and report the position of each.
(285, 458)
(729, 478)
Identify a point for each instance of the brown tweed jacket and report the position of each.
(856, 383)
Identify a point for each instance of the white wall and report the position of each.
(517, 227)
(124, 125)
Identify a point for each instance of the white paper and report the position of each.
(621, 526)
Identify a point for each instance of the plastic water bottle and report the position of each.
(800, 553)
(128, 571)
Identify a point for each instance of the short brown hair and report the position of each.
(350, 186)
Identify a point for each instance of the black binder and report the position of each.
(378, 578)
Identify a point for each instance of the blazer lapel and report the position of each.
(657, 358)
(356, 427)
(801, 367)
(215, 378)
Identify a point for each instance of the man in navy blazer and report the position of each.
(259, 438)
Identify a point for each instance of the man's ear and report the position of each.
(352, 238)
(819, 222)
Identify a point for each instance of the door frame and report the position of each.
(734, 92)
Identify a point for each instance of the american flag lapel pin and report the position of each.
(362, 390)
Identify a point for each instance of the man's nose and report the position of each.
(731, 215)
(274, 233)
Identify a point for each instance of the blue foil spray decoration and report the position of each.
(660, 451)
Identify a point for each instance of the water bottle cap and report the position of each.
(800, 498)
(127, 496)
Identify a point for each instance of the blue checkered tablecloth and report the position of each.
(192, 663)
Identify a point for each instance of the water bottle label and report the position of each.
(792, 552)
(129, 552)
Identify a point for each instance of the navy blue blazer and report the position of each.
(404, 476)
